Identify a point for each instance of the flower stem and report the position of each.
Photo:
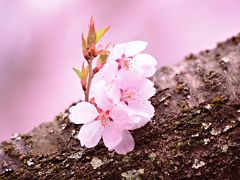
(89, 81)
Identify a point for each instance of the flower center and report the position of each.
(123, 62)
(127, 95)
(103, 116)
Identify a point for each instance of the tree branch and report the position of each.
(195, 133)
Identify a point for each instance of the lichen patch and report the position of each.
(197, 164)
(96, 162)
(133, 174)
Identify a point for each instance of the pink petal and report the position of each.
(109, 71)
(90, 134)
(147, 62)
(134, 47)
(115, 93)
(140, 121)
(117, 51)
(82, 113)
(96, 87)
(126, 145)
(147, 90)
(99, 93)
(122, 119)
(142, 108)
(132, 78)
(111, 135)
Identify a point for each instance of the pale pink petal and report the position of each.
(140, 121)
(115, 93)
(109, 71)
(126, 145)
(90, 134)
(111, 135)
(82, 113)
(96, 87)
(99, 93)
(122, 119)
(146, 59)
(147, 90)
(142, 108)
(147, 63)
(117, 51)
(132, 78)
(134, 47)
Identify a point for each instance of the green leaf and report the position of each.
(103, 58)
(101, 33)
(78, 72)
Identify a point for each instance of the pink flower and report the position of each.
(119, 98)
(103, 120)
(131, 91)
(126, 57)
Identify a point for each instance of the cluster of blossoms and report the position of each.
(118, 100)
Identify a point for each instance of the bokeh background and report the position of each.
(40, 43)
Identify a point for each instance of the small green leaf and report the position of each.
(78, 72)
(101, 33)
(103, 58)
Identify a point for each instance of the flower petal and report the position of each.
(99, 92)
(109, 71)
(126, 145)
(134, 47)
(117, 51)
(147, 62)
(111, 135)
(127, 79)
(142, 108)
(140, 121)
(82, 113)
(90, 134)
(122, 119)
(147, 90)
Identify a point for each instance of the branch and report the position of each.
(195, 133)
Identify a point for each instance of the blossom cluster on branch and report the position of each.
(117, 92)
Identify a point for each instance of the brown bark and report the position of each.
(195, 133)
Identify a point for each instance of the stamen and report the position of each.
(123, 62)
(127, 95)
(104, 117)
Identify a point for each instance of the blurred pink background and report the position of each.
(40, 43)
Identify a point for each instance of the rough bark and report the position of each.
(195, 133)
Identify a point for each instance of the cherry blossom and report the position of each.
(132, 91)
(126, 57)
(118, 105)
(117, 92)
(102, 120)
